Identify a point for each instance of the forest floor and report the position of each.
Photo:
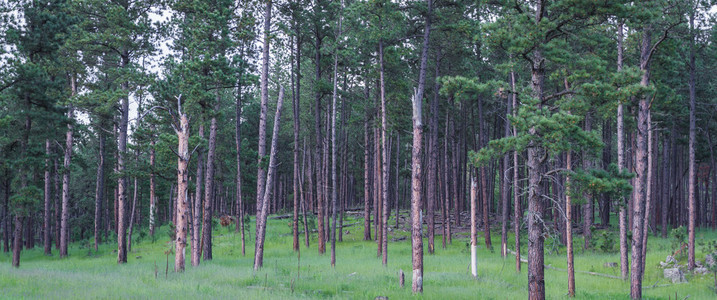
(358, 273)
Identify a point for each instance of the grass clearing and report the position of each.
(358, 273)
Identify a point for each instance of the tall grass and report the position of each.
(358, 273)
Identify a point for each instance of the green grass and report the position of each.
(358, 273)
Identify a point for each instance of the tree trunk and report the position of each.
(182, 187)
(504, 188)
(621, 161)
(640, 170)
(196, 206)
(240, 204)
(483, 178)
(209, 186)
(665, 186)
(334, 181)
(446, 185)
(416, 168)
(569, 229)
(366, 174)
(517, 212)
(261, 152)
(295, 97)
(536, 205)
(132, 213)
(303, 200)
(384, 162)
(64, 230)
(122, 179)
(48, 191)
(588, 206)
(261, 228)
(692, 171)
(152, 189)
(650, 178)
(17, 242)
(432, 193)
(474, 228)
(58, 208)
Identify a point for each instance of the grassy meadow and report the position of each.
(358, 273)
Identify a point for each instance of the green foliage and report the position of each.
(611, 182)
(678, 238)
(604, 241)
(26, 200)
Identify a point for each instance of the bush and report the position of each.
(604, 242)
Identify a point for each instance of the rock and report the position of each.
(664, 265)
(674, 274)
(701, 271)
(670, 259)
(710, 260)
(380, 298)
(610, 265)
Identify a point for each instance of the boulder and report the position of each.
(701, 270)
(670, 259)
(710, 260)
(610, 265)
(674, 274)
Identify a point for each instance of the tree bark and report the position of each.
(240, 204)
(152, 188)
(367, 173)
(261, 152)
(588, 206)
(569, 230)
(64, 230)
(416, 168)
(536, 205)
(48, 191)
(483, 178)
(665, 186)
(384, 161)
(209, 186)
(17, 241)
(474, 228)
(295, 107)
(334, 181)
(517, 212)
(640, 170)
(692, 171)
(621, 161)
(122, 179)
(432, 193)
(261, 228)
(196, 209)
(505, 189)
(182, 189)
